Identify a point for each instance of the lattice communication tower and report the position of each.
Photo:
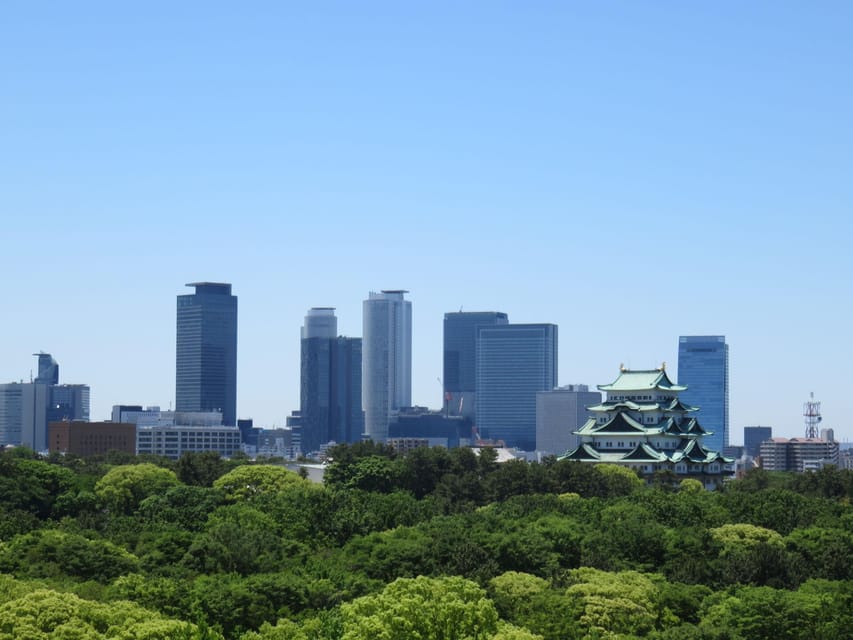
(811, 412)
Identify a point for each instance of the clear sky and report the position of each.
(631, 171)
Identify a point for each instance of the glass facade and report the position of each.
(206, 353)
(387, 359)
(347, 415)
(330, 383)
(703, 367)
(460, 352)
(11, 413)
(514, 362)
(315, 388)
(753, 437)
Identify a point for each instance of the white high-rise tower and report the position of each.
(387, 359)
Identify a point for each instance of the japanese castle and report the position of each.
(643, 425)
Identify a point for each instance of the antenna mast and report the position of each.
(811, 412)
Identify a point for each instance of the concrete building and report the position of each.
(278, 443)
(91, 438)
(386, 359)
(798, 454)
(559, 413)
(436, 427)
(172, 441)
(27, 407)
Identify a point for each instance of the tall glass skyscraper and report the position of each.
(387, 359)
(514, 362)
(347, 423)
(703, 367)
(206, 353)
(315, 388)
(460, 349)
(330, 382)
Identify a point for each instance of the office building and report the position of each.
(703, 367)
(135, 414)
(48, 369)
(91, 438)
(315, 383)
(347, 414)
(69, 402)
(26, 408)
(798, 454)
(387, 359)
(172, 441)
(514, 362)
(560, 413)
(330, 382)
(206, 351)
(460, 350)
(753, 437)
(644, 425)
(437, 428)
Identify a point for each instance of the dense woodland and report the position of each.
(437, 544)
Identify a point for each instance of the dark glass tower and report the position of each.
(347, 416)
(315, 389)
(330, 382)
(48, 369)
(514, 362)
(460, 342)
(703, 367)
(206, 353)
(753, 437)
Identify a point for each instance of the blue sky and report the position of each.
(629, 171)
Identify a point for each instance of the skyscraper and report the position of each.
(27, 408)
(514, 362)
(315, 380)
(387, 359)
(330, 382)
(206, 353)
(460, 348)
(48, 369)
(347, 415)
(703, 367)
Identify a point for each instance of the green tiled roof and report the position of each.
(644, 452)
(624, 404)
(641, 381)
(583, 452)
(677, 405)
(620, 424)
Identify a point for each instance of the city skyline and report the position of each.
(529, 159)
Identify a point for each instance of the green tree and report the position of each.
(200, 468)
(50, 553)
(248, 481)
(613, 603)
(123, 488)
(426, 608)
(619, 480)
(44, 614)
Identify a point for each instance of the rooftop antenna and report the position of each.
(811, 412)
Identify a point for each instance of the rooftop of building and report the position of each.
(642, 380)
(222, 288)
